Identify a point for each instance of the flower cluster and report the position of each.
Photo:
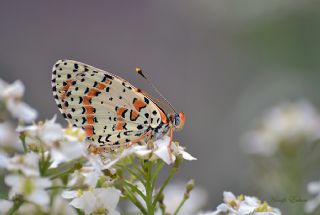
(12, 111)
(54, 160)
(10, 97)
(289, 122)
(152, 151)
(243, 205)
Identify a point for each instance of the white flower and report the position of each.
(21, 110)
(314, 189)
(86, 176)
(286, 123)
(5, 206)
(243, 205)
(28, 164)
(61, 207)
(30, 208)
(103, 200)
(159, 150)
(4, 160)
(72, 146)
(12, 95)
(32, 188)
(14, 90)
(48, 133)
(63, 144)
(9, 137)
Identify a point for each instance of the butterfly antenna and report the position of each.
(139, 71)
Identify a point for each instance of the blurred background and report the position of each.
(221, 62)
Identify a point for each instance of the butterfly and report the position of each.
(112, 112)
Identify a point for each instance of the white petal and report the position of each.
(4, 160)
(21, 110)
(163, 153)
(61, 206)
(246, 209)
(228, 196)
(187, 156)
(312, 204)
(314, 187)
(162, 142)
(39, 197)
(12, 180)
(51, 132)
(223, 208)
(69, 194)
(108, 196)
(142, 151)
(5, 206)
(92, 177)
(251, 201)
(86, 202)
(113, 212)
(14, 90)
(8, 135)
(42, 182)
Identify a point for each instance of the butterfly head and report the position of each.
(178, 120)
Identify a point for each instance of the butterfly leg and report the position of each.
(170, 143)
(139, 138)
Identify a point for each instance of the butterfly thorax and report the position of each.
(174, 121)
(161, 130)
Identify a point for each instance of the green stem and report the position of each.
(180, 206)
(149, 188)
(134, 165)
(171, 174)
(136, 175)
(65, 168)
(135, 189)
(15, 207)
(57, 187)
(158, 168)
(134, 200)
(23, 141)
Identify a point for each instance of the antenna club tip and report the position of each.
(138, 69)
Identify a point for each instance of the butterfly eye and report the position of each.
(177, 120)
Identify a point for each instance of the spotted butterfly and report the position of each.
(112, 112)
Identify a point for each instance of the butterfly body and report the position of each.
(112, 112)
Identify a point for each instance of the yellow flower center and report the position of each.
(100, 211)
(79, 193)
(264, 208)
(75, 132)
(28, 186)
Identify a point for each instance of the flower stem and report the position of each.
(134, 200)
(23, 141)
(149, 188)
(17, 203)
(65, 168)
(135, 189)
(180, 206)
(170, 176)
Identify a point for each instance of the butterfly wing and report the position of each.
(111, 110)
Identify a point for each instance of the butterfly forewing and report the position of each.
(108, 108)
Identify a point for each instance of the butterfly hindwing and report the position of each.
(108, 108)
